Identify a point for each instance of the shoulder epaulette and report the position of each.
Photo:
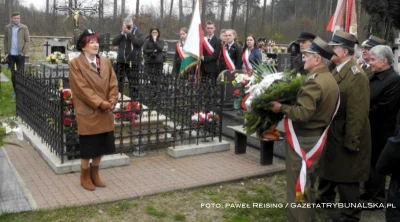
(355, 70)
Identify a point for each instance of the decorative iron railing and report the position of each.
(156, 109)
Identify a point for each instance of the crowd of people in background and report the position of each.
(363, 140)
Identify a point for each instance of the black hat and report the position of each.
(373, 41)
(320, 47)
(85, 33)
(306, 36)
(343, 38)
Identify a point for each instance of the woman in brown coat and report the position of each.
(95, 93)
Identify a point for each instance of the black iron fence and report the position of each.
(156, 109)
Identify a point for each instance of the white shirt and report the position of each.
(339, 67)
(94, 61)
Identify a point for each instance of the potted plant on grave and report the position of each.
(240, 82)
(55, 57)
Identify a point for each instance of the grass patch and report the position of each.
(179, 217)
(154, 212)
(7, 103)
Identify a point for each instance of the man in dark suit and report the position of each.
(211, 53)
(305, 39)
(234, 51)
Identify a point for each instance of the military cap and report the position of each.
(373, 41)
(85, 33)
(343, 38)
(305, 36)
(320, 47)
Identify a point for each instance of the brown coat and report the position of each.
(347, 154)
(89, 90)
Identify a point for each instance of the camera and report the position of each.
(129, 27)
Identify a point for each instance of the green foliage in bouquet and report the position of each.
(262, 69)
(260, 117)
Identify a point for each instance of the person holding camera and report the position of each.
(129, 42)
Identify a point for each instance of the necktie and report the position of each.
(94, 65)
(209, 39)
(227, 47)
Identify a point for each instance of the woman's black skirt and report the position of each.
(96, 145)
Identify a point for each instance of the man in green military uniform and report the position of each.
(346, 158)
(366, 46)
(312, 113)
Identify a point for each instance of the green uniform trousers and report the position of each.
(293, 167)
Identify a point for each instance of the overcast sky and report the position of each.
(130, 4)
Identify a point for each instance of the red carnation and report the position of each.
(128, 107)
(67, 121)
(236, 92)
(117, 115)
(66, 94)
(202, 119)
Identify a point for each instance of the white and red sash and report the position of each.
(179, 50)
(228, 61)
(210, 50)
(307, 158)
(246, 62)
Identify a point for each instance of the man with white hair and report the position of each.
(365, 47)
(384, 105)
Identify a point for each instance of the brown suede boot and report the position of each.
(94, 175)
(86, 182)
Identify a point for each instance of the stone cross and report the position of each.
(284, 61)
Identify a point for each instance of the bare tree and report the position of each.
(161, 13)
(222, 16)
(246, 27)
(180, 13)
(170, 9)
(234, 13)
(115, 9)
(203, 10)
(122, 8)
(47, 6)
(273, 12)
(137, 9)
(264, 13)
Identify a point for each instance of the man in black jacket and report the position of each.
(129, 43)
(211, 53)
(305, 39)
(389, 163)
(384, 105)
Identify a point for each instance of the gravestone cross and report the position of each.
(284, 61)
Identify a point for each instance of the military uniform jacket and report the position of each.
(89, 89)
(210, 62)
(298, 64)
(315, 104)
(384, 105)
(367, 69)
(347, 153)
(235, 53)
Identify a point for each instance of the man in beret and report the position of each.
(315, 105)
(365, 47)
(305, 39)
(346, 158)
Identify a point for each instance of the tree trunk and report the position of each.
(122, 8)
(47, 6)
(234, 12)
(180, 13)
(170, 9)
(264, 13)
(221, 20)
(246, 27)
(272, 12)
(203, 11)
(115, 10)
(161, 13)
(137, 9)
(7, 10)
